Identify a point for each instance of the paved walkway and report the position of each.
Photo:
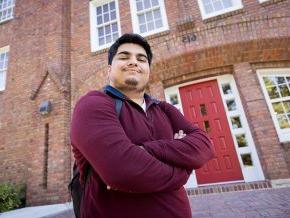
(274, 203)
(252, 203)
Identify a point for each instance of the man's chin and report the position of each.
(131, 82)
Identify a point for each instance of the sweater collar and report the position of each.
(117, 94)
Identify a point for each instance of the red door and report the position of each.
(202, 105)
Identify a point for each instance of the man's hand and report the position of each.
(179, 135)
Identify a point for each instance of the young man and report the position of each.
(141, 158)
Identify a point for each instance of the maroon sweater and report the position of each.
(145, 183)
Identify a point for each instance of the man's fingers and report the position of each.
(180, 132)
(176, 136)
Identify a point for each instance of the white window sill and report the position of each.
(218, 13)
(6, 20)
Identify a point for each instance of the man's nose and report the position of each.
(133, 61)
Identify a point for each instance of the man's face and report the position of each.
(130, 68)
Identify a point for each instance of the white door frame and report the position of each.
(250, 173)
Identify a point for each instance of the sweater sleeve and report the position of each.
(97, 133)
(190, 152)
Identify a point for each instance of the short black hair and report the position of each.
(130, 38)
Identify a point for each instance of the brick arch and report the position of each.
(254, 51)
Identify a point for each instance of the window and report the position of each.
(3, 66)
(211, 8)
(6, 9)
(148, 16)
(276, 87)
(105, 25)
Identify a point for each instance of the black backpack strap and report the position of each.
(118, 106)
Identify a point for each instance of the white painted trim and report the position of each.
(283, 134)
(261, 1)
(93, 23)
(250, 174)
(135, 21)
(237, 5)
(4, 50)
(12, 13)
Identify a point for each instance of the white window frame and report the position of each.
(7, 8)
(283, 134)
(135, 21)
(261, 1)
(4, 70)
(237, 5)
(93, 23)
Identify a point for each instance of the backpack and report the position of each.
(75, 188)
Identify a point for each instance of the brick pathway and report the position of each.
(274, 203)
(253, 203)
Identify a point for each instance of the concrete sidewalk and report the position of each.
(272, 203)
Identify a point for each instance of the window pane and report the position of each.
(269, 81)
(99, 20)
(247, 160)
(112, 6)
(206, 126)
(154, 3)
(278, 108)
(227, 3)
(173, 99)
(143, 28)
(284, 91)
(283, 121)
(2, 82)
(273, 92)
(241, 140)
(149, 16)
(150, 26)
(208, 8)
(231, 105)
(99, 10)
(280, 80)
(101, 31)
(227, 89)
(203, 109)
(115, 36)
(107, 29)
(141, 18)
(113, 15)
(287, 106)
(105, 8)
(157, 14)
(217, 5)
(139, 5)
(108, 38)
(114, 27)
(147, 4)
(158, 23)
(101, 41)
(236, 122)
(106, 17)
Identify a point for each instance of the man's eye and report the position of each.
(123, 57)
(142, 59)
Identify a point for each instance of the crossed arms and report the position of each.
(98, 135)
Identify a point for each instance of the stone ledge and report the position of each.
(280, 183)
(211, 189)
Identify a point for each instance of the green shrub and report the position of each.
(11, 196)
